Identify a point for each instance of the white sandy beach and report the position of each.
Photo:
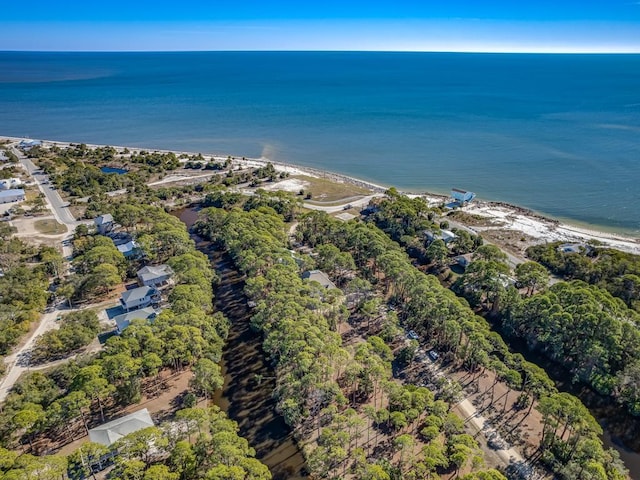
(501, 216)
(544, 229)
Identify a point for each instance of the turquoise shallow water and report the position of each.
(559, 134)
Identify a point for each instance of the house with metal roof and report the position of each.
(12, 195)
(445, 235)
(109, 433)
(318, 276)
(129, 249)
(139, 298)
(154, 276)
(104, 223)
(9, 183)
(124, 320)
(462, 196)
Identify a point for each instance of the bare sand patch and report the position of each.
(539, 229)
(288, 185)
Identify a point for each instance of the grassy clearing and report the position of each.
(324, 190)
(31, 195)
(49, 227)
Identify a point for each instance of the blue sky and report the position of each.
(443, 25)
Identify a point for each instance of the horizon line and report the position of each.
(489, 51)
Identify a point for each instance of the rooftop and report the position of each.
(137, 293)
(11, 192)
(127, 247)
(10, 181)
(320, 277)
(123, 321)
(110, 432)
(151, 272)
(102, 219)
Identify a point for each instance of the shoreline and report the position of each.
(501, 215)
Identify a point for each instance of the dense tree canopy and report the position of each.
(607, 349)
(616, 271)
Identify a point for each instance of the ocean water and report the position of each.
(559, 134)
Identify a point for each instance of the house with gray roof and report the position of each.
(104, 223)
(125, 319)
(154, 276)
(129, 249)
(29, 144)
(12, 195)
(318, 276)
(109, 433)
(139, 298)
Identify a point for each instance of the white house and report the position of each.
(124, 320)
(104, 223)
(154, 276)
(139, 298)
(445, 235)
(29, 144)
(7, 183)
(13, 195)
(110, 432)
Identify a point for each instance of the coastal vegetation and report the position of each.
(452, 327)
(615, 271)
(606, 354)
(341, 400)
(344, 359)
(199, 443)
(26, 275)
(77, 330)
(60, 404)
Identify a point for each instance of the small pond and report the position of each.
(119, 171)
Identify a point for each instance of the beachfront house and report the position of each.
(12, 195)
(104, 223)
(125, 319)
(320, 277)
(462, 197)
(139, 297)
(109, 433)
(154, 276)
(29, 144)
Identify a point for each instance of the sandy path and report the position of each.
(18, 362)
(362, 202)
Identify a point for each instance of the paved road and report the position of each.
(18, 362)
(56, 204)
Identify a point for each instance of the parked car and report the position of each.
(433, 355)
(412, 335)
